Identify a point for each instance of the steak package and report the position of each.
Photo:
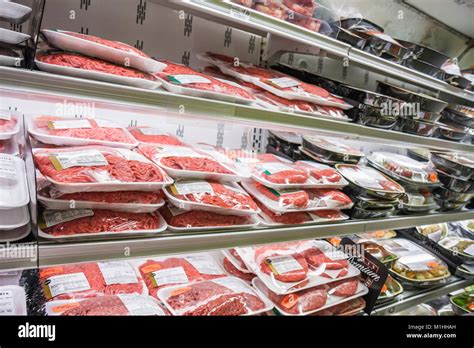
(190, 163)
(85, 280)
(198, 220)
(182, 79)
(76, 132)
(108, 305)
(315, 299)
(291, 266)
(9, 124)
(76, 223)
(129, 201)
(211, 196)
(161, 272)
(325, 175)
(98, 168)
(145, 134)
(227, 296)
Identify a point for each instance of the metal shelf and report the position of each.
(17, 256)
(168, 243)
(412, 298)
(261, 24)
(40, 83)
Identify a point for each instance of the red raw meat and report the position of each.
(344, 288)
(164, 139)
(118, 167)
(114, 44)
(209, 298)
(133, 197)
(293, 175)
(236, 256)
(331, 194)
(78, 61)
(327, 214)
(232, 270)
(316, 258)
(297, 198)
(106, 221)
(97, 306)
(272, 8)
(198, 218)
(282, 102)
(95, 278)
(223, 197)
(302, 301)
(192, 272)
(304, 7)
(215, 85)
(7, 125)
(287, 218)
(330, 175)
(94, 133)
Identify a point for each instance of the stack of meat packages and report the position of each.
(90, 182)
(300, 278)
(275, 90)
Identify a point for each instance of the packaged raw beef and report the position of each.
(326, 176)
(272, 8)
(217, 73)
(346, 308)
(344, 288)
(233, 256)
(160, 272)
(273, 101)
(84, 280)
(188, 162)
(327, 198)
(234, 271)
(281, 175)
(211, 196)
(87, 222)
(292, 218)
(277, 200)
(78, 65)
(227, 296)
(111, 51)
(76, 132)
(197, 220)
(291, 266)
(304, 7)
(153, 135)
(108, 305)
(99, 168)
(130, 201)
(182, 79)
(9, 124)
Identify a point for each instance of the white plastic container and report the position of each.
(13, 12)
(314, 220)
(14, 218)
(12, 37)
(13, 184)
(43, 133)
(12, 300)
(15, 234)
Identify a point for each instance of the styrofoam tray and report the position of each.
(65, 204)
(267, 220)
(104, 235)
(255, 223)
(309, 183)
(13, 12)
(331, 300)
(60, 39)
(313, 278)
(15, 234)
(43, 136)
(16, 305)
(14, 131)
(10, 61)
(164, 294)
(274, 206)
(12, 37)
(188, 205)
(13, 193)
(194, 92)
(96, 75)
(14, 218)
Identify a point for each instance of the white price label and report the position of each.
(185, 188)
(69, 124)
(175, 275)
(54, 217)
(204, 264)
(140, 305)
(240, 13)
(117, 272)
(177, 151)
(183, 79)
(7, 306)
(284, 82)
(8, 168)
(67, 283)
(88, 158)
(283, 264)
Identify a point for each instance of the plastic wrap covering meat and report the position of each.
(76, 132)
(294, 218)
(96, 222)
(304, 7)
(325, 175)
(234, 271)
(273, 101)
(328, 198)
(301, 302)
(9, 124)
(218, 297)
(211, 196)
(87, 280)
(165, 271)
(93, 168)
(153, 135)
(292, 198)
(108, 305)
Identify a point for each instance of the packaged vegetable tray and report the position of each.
(221, 198)
(190, 163)
(99, 168)
(217, 297)
(88, 223)
(62, 131)
(291, 266)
